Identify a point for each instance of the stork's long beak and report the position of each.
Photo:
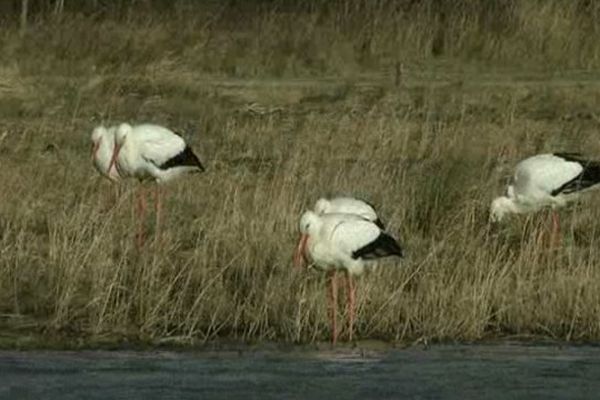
(95, 147)
(116, 151)
(300, 253)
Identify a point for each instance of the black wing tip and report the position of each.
(193, 158)
(186, 158)
(578, 158)
(588, 178)
(383, 246)
(199, 165)
(569, 155)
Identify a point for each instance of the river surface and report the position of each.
(438, 372)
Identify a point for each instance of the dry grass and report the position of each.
(425, 149)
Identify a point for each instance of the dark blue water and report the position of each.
(440, 372)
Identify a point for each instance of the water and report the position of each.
(440, 372)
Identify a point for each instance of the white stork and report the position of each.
(342, 242)
(547, 180)
(152, 152)
(348, 205)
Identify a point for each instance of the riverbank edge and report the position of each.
(32, 341)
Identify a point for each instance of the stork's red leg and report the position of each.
(351, 293)
(140, 216)
(555, 238)
(116, 193)
(158, 209)
(331, 276)
(112, 197)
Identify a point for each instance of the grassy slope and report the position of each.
(282, 113)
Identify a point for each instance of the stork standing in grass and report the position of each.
(348, 205)
(547, 180)
(152, 153)
(345, 242)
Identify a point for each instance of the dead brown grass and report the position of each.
(431, 149)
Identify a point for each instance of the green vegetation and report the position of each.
(421, 107)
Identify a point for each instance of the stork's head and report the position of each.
(308, 223)
(97, 135)
(122, 131)
(500, 207)
(322, 206)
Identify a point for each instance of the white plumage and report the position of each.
(103, 142)
(342, 242)
(334, 241)
(152, 152)
(348, 205)
(546, 180)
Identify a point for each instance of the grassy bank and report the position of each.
(285, 106)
